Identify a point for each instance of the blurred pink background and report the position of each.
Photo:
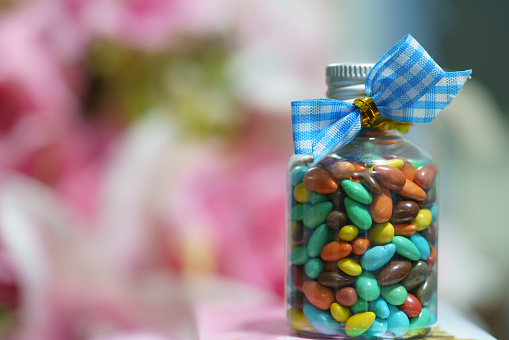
(143, 151)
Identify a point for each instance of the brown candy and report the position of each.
(297, 299)
(416, 276)
(342, 170)
(424, 176)
(409, 170)
(334, 251)
(411, 191)
(298, 276)
(338, 199)
(330, 266)
(404, 229)
(337, 219)
(335, 279)
(404, 211)
(394, 272)
(381, 207)
(320, 180)
(425, 291)
(368, 180)
(346, 296)
(389, 176)
(319, 296)
(301, 234)
(360, 245)
(411, 307)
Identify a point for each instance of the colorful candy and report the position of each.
(363, 247)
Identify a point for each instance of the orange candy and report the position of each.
(404, 229)
(381, 207)
(412, 191)
(335, 250)
(360, 245)
(319, 296)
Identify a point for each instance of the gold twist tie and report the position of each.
(368, 110)
(370, 116)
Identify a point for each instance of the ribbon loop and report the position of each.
(405, 85)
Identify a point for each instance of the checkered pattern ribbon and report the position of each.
(406, 85)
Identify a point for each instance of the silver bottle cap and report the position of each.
(346, 81)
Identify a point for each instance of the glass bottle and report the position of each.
(361, 231)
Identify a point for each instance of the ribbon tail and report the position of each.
(336, 135)
(435, 100)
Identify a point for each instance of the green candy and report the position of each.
(317, 214)
(367, 286)
(356, 191)
(299, 210)
(372, 159)
(313, 267)
(394, 294)
(360, 306)
(317, 240)
(358, 214)
(406, 248)
(417, 324)
(318, 198)
(299, 255)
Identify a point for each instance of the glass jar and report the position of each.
(361, 232)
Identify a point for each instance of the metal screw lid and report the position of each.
(346, 80)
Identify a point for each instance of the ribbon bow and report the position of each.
(406, 85)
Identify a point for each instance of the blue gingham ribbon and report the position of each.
(406, 85)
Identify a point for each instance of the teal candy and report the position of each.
(367, 286)
(433, 319)
(318, 198)
(313, 267)
(299, 255)
(317, 214)
(422, 245)
(360, 306)
(356, 191)
(321, 320)
(423, 320)
(358, 214)
(376, 257)
(297, 174)
(398, 323)
(379, 327)
(317, 240)
(299, 210)
(394, 294)
(406, 248)
(380, 308)
(434, 213)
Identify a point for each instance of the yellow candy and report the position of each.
(298, 320)
(301, 193)
(359, 323)
(348, 233)
(422, 220)
(395, 162)
(381, 234)
(339, 312)
(350, 266)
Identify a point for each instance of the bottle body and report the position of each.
(361, 240)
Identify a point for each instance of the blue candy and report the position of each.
(434, 213)
(297, 174)
(398, 322)
(379, 327)
(321, 320)
(380, 308)
(422, 244)
(376, 257)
